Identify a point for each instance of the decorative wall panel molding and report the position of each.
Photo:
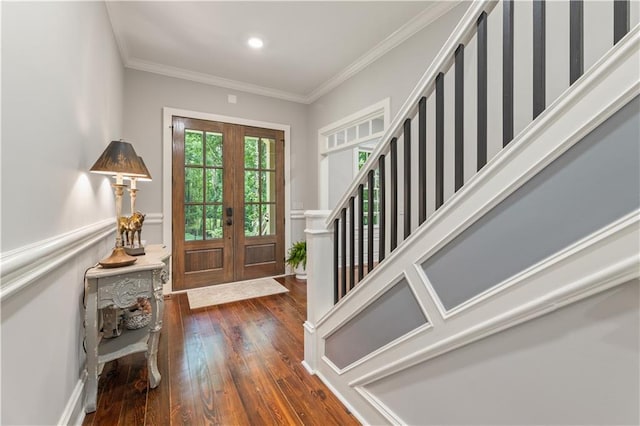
(23, 266)
(603, 256)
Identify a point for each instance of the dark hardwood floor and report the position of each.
(233, 364)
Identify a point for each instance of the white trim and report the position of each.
(22, 266)
(316, 213)
(167, 142)
(308, 368)
(602, 261)
(465, 29)
(73, 413)
(153, 219)
(198, 77)
(341, 397)
(584, 106)
(353, 144)
(297, 215)
(383, 106)
(382, 349)
(380, 406)
(607, 258)
(362, 305)
(420, 21)
(120, 40)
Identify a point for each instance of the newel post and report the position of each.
(319, 281)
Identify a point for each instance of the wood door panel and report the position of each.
(262, 253)
(203, 260)
(252, 259)
(212, 244)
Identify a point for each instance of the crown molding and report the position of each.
(117, 34)
(198, 77)
(426, 17)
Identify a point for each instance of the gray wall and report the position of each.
(576, 366)
(145, 96)
(590, 186)
(341, 173)
(394, 75)
(61, 105)
(62, 82)
(392, 315)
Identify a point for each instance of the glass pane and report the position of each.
(192, 185)
(213, 222)
(377, 125)
(251, 188)
(251, 220)
(214, 185)
(267, 153)
(268, 190)
(214, 149)
(250, 152)
(362, 158)
(340, 138)
(363, 130)
(192, 147)
(351, 133)
(192, 223)
(268, 225)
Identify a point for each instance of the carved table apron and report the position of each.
(120, 288)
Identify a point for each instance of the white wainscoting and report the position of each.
(24, 265)
(607, 258)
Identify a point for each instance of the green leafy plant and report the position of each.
(297, 254)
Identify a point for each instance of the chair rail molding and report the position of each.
(22, 266)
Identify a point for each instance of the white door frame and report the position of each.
(167, 157)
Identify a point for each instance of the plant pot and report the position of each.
(301, 273)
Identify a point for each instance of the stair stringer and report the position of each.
(600, 261)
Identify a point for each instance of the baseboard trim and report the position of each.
(73, 413)
(342, 399)
(23, 266)
(308, 368)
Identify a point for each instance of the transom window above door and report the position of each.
(363, 130)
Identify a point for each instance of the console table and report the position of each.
(120, 288)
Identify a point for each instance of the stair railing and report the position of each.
(350, 219)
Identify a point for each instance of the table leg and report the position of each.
(91, 343)
(152, 352)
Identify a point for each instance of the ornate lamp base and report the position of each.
(117, 259)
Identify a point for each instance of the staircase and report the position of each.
(506, 188)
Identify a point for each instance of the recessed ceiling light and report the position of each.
(255, 42)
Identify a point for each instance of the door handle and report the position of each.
(229, 213)
(229, 221)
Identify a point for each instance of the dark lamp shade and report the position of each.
(120, 157)
(147, 176)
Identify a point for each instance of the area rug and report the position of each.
(232, 292)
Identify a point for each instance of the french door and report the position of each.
(228, 202)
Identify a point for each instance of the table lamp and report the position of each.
(133, 189)
(119, 159)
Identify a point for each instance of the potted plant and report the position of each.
(297, 259)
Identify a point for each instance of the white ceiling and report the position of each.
(310, 47)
